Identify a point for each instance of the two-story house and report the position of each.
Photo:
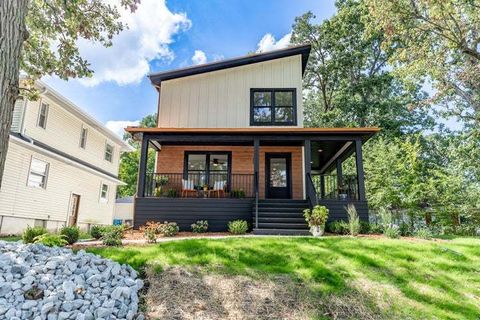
(61, 167)
(231, 145)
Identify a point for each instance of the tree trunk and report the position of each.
(12, 35)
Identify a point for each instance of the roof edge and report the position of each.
(304, 50)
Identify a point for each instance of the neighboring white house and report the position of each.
(124, 210)
(61, 166)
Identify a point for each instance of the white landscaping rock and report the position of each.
(68, 285)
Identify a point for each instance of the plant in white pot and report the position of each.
(316, 219)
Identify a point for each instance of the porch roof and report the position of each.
(365, 132)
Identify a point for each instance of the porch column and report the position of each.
(339, 173)
(308, 165)
(256, 178)
(142, 168)
(360, 174)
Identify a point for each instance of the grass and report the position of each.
(412, 279)
(10, 238)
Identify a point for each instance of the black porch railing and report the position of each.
(193, 185)
(330, 188)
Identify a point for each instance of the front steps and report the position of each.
(281, 217)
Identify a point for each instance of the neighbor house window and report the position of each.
(104, 192)
(207, 168)
(83, 137)
(38, 174)
(108, 152)
(42, 115)
(273, 107)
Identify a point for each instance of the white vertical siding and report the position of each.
(53, 202)
(221, 99)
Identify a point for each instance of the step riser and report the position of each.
(281, 217)
(277, 232)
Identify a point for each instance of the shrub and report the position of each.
(238, 227)
(392, 232)
(112, 235)
(96, 231)
(375, 228)
(405, 229)
(71, 234)
(169, 229)
(353, 220)
(386, 217)
(364, 227)
(51, 240)
(317, 216)
(200, 226)
(338, 227)
(423, 233)
(151, 230)
(31, 233)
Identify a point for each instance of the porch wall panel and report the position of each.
(171, 159)
(337, 209)
(185, 211)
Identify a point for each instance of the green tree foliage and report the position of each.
(348, 81)
(436, 40)
(129, 161)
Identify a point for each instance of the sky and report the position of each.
(165, 35)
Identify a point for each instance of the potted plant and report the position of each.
(316, 219)
(205, 187)
(163, 180)
(342, 192)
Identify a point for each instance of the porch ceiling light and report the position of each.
(320, 150)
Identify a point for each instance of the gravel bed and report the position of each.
(39, 282)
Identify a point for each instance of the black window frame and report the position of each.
(207, 164)
(273, 106)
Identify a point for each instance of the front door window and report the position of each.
(277, 166)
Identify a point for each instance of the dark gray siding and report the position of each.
(185, 211)
(337, 209)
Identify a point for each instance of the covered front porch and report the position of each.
(253, 174)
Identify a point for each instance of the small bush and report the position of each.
(96, 231)
(392, 232)
(169, 229)
(31, 233)
(338, 227)
(423, 233)
(71, 234)
(238, 227)
(353, 220)
(150, 231)
(112, 235)
(375, 228)
(405, 229)
(201, 226)
(172, 193)
(51, 240)
(364, 227)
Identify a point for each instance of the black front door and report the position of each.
(277, 174)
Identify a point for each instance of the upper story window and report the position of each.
(108, 152)
(273, 107)
(42, 115)
(38, 174)
(83, 137)
(104, 192)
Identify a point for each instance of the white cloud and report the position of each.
(268, 42)
(118, 126)
(199, 57)
(149, 34)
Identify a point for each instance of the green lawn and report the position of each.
(402, 278)
(10, 238)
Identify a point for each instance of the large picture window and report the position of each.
(207, 168)
(273, 107)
